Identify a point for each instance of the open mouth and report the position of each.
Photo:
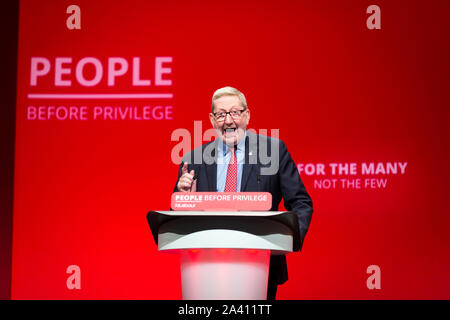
(230, 130)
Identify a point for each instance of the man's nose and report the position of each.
(228, 119)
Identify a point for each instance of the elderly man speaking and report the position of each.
(234, 169)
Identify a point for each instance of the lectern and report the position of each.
(224, 255)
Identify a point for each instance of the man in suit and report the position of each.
(239, 160)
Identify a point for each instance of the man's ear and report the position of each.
(212, 119)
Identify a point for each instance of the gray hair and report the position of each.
(228, 91)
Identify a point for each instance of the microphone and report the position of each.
(194, 178)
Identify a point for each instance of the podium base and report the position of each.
(224, 274)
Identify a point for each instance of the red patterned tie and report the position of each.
(231, 182)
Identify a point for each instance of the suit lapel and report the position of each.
(250, 163)
(210, 159)
(211, 173)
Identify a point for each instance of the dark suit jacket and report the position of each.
(261, 154)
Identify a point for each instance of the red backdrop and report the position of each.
(337, 91)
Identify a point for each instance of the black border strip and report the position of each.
(9, 26)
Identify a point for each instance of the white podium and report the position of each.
(224, 255)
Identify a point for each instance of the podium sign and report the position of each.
(221, 201)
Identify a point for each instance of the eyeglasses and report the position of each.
(235, 114)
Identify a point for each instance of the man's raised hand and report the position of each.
(187, 183)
